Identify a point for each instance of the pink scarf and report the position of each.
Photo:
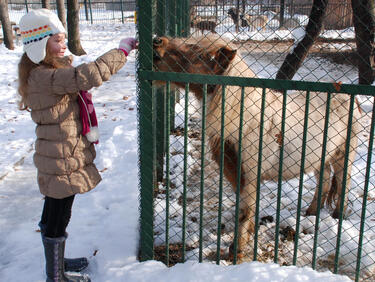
(88, 117)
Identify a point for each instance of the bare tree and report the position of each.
(46, 4)
(74, 42)
(364, 25)
(294, 60)
(6, 24)
(61, 11)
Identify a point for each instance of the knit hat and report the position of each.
(36, 28)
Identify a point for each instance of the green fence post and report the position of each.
(238, 188)
(146, 131)
(90, 7)
(122, 11)
(343, 189)
(172, 13)
(259, 172)
(171, 16)
(160, 132)
(301, 176)
(185, 18)
(160, 29)
(167, 172)
(203, 152)
(27, 8)
(321, 176)
(175, 95)
(160, 95)
(282, 12)
(280, 178)
(86, 13)
(179, 16)
(186, 128)
(113, 10)
(365, 192)
(221, 177)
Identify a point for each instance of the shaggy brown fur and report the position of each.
(215, 56)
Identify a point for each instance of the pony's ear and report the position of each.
(223, 57)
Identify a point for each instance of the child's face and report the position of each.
(56, 45)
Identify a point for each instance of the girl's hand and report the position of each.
(128, 44)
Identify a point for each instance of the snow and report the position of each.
(104, 223)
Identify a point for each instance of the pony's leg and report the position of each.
(247, 192)
(338, 170)
(325, 188)
(246, 222)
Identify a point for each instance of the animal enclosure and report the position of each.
(238, 166)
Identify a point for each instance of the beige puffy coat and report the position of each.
(63, 156)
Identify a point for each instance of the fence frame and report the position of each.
(146, 76)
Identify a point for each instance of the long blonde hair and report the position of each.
(25, 66)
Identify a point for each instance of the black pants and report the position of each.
(56, 215)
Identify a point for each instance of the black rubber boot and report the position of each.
(76, 264)
(54, 252)
(70, 264)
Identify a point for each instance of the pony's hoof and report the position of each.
(336, 214)
(310, 212)
(240, 256)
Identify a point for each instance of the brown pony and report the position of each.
(215, 56)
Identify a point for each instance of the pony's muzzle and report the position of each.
(157, 42)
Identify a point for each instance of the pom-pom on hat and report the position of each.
(36, 27)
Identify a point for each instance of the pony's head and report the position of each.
(209, 55)
(202, 55)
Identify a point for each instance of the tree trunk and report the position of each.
(237, 23)
(282, 13)
(294, 60)
(364, 25)
(61, 11)
(6, 25)
(46, 4)
(74, 42)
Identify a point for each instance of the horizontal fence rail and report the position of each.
(351, 89)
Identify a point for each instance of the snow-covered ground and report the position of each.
(104, 224)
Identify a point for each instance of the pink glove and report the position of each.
(128, 44)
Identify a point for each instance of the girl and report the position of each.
(56, 95)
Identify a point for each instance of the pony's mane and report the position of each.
(212, 43)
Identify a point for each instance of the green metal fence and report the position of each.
(192, 208)
(91, 11)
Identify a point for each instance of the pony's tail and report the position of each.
(332, 191)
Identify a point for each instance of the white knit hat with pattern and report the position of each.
(36, 27)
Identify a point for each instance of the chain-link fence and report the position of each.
(233, 170)
(91, 11)
(290, 14)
